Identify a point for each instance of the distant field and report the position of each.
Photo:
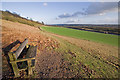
(93, 36)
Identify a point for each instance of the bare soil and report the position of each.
(50, 64)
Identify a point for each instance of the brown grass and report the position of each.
(12, 31)
(106, 52)
(50, 64)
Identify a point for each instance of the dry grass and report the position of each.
(12, 31)
(104, 51)
(92, 47)
(78, 61)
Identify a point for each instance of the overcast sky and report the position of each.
(66, 12)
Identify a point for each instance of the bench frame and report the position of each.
(13, 56)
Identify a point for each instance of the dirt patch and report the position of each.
(51, 65)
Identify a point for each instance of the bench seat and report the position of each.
(29, 58)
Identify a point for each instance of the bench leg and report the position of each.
(15, 69)
(29, 68)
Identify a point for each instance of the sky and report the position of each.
(66, 12)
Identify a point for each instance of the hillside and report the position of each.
(14, 17)
(12, 31)
(58, 56)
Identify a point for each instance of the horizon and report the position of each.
(66, 12)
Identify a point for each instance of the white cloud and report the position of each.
(107, 20)
(100, 7)
(45, 4)
(74, 21)
(95, 8)
(101, 14)
(64, 14)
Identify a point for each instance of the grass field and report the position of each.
(85, 64)
(93, 36)
(58, 57)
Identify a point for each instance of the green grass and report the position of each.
(93, 36)
(101, 68)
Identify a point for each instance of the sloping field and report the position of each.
(13, 31)
(87, 58)
(105, 51)
(86, 62)
(93, 36)
(6, 15)
(57, 57)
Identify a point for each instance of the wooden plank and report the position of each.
(30, 72)
(15, 69)
(23, 69)
(20, 48)
(26, 68)
(31, 52)
(11, 56)
(21, 60)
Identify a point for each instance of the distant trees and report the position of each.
(8, 11)
(31, 19)
(16, 14)
(13, 13)
(42, 23)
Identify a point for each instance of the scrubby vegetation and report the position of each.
(14, 17)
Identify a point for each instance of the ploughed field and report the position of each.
(92, 36)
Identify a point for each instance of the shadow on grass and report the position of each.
(6, 50)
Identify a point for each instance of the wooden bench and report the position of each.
(18, 59)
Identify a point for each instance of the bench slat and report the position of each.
(31, 52)
(20, 48)
(10, 56)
